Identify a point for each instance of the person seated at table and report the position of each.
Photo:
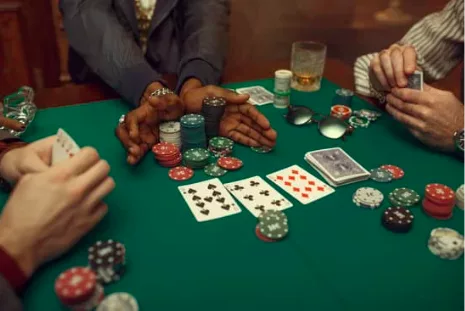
(435, 46)
(49, 210)
(130, 44)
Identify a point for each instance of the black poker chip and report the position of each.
(212, 110)
(107, 259)
(397, 219)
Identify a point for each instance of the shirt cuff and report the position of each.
(198, 69)
(11, 271)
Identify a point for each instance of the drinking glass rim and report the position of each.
(315, 43)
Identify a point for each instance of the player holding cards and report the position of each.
(434, 46)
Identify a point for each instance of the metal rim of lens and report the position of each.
(331, 127)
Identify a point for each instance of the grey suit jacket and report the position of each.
(8, 299)
(186, 37)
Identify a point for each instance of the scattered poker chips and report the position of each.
(170, 132)
(404, 197)
(367, 114)
(341, 112)
(229, 163)
(357, 122)
(343, 97)
(214, 170)
(459, 197)
(439, 201)
(119, 302)
(397, 219)
(213, 110)
(381, 175)
(193, 131)
(397, 172)
(272, 226)
(446, 243)
(107, 259)
(220, 146)
(167, 154)
(180, 173)
(368, 197)
(261, 149)
(196, 158)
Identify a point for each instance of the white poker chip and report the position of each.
(170, 127)
(459, 197)
(446, 243)
(119, 302)
(369, 197)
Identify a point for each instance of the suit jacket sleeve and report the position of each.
(204, 32)
(109, 49)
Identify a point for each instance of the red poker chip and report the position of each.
(75, 285)
(168, 157)
(177, 159)
(261, 236)
(341, 110)
(440, 194)
(165, 149)
(437, 209)
(397, 172)
(229, 163)
(181, 173)
(430, 211)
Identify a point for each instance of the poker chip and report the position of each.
(91, 303)
(343, 96)
(107, 259)
(170, 132)
(75, 285)
(368, 197)
(261, 149)
(119, 302)
(196, 158)
(164, 149)
(368, 114)
(341, 112)
(180, 173)
(230, 163)
(380, 175)
(214, 170)
(437, 211)
(193, 132)
(459, 197)
(446, 243)
(357, 122)
(397, 219)
(439, 193)
(273, 225)
(261, 236)
(407, 197)
(220, 146)
(397, 172)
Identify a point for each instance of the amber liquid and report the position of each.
(306, 82)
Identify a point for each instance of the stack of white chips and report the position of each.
(170, 132)
(459, 197)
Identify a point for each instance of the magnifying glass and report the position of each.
(329, 126)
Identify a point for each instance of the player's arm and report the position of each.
(204, 37)
(107, 47)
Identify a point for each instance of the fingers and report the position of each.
(410, 60)
(78, 164)
(230, 96)
(97, 215)
(134, 152)
(88, 180)
(387, 67)
(97, 195)
(411, 96)
(11, 124)
(379, 73)
(132, 125)
(406, 119)
(398, 66)
(251, 112)
(243, 139)
(254, 135)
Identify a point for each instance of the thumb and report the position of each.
(34, 164)
(234, 98)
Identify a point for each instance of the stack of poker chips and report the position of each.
(170, 132)
(193, 131)
(439, 201)
(397, 219)
(368, 197)
(446, 243)
(196, 158)
(357, 122)
(108, 260)
(459, 197)
(404, 197)
(343, 97)
(371, 115)
(341, 112)
(272, 226)
(220, 146)
(167, 154)
(77, 289)
(213, 110)
(397, 172)
(380, 175)
(119, 301)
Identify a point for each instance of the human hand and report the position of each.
(48, 212)
(169, 106)
(11, 124)
(432, 115)
(33, 158)
(391, 67)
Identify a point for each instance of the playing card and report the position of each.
(209, 200)
(257, 195)
(64, 147)
(258, 95)
(300, 184)
(336, 165)
(415, 81)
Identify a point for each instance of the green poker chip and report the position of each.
(196, 155)
(192, 120)
(395, 202)
(221, 143)
(359, 121)
(273, 224)
(214, 170)
(407, 196)
(380, 175)
(261, 149)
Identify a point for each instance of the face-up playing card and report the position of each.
(257, 195)
(337, 165)
(300, 184)
(64, 147)
(258, 95)
(209, 200)
(415, 81)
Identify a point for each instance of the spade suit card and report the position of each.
(209, 200)
(299, 183)
(415, 81)
(257, 195)
(64, 147)
(258, 95)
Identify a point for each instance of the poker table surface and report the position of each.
(337, 256)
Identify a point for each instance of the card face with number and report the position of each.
(257, 195)
(300, 184)
(209, 200)
(415, 81)
(64, 147)
(258, 95)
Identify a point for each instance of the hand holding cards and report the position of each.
(64, 147)
(415, 81)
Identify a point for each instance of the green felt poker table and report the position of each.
(337, 256)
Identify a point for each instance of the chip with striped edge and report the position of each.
(230, 163)
(180, 173)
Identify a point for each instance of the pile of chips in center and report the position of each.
(446, 243)
(439, 201)
(196, 158)
(404, 197)
(220, 146)
(193, 132)
(272, 226)
(213, 110)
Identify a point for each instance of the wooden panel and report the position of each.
(13, 63)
